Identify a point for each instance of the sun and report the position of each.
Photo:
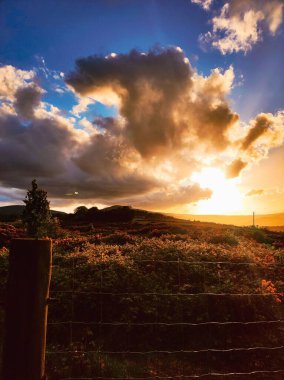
(226, 198)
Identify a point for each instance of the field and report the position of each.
(163, 299)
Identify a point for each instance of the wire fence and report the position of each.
(73, 294)
(211, 374)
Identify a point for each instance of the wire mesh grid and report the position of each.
(99, 353)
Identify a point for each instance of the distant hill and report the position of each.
(13, 212)
(267, 220)
(115, 213)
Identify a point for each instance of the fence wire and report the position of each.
(154, 294)
(211, 374)
(192, 324)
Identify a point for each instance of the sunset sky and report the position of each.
(167, 105)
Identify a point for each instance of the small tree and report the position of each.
(36, 215)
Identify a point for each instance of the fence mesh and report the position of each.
(151, 334)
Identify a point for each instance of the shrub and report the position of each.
(36, 215)
(7, 232)
(119, 238)
(259, 235)
(224, 239)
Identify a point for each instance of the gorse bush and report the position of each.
(224, 239)
(7, 233)
(259, 235)
(135, 272)
(119, 238)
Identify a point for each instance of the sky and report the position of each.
(166, 105)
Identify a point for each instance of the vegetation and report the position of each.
(137, 287)
(124, 214)
(36, 217)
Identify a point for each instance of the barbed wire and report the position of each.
(219, 374)
(218, 323)
(165, 352)
(230, 263)
(123, 294)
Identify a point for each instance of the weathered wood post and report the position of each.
(26, 309)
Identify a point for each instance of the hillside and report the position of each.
(127, 213)
(13, 212)
(267, 220)
(113, 214)
(177, 299)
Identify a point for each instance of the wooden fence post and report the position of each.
(26, 309)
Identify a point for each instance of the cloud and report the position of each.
(171, 121)
(81, 107)
(173, 196)
(46, 71)
(27, 99)
(263, 133)
(57, 154)
(235, 168)
(48, 147)
(147, 88)
(254, 192)
(37, 150)
(11, 79)
(205, 4)
(8, 195)
(241, 23)
(163, 102)
(260, 127)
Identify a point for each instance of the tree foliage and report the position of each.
(36, 215)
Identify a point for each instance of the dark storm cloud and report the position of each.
(49, 150)
(164, 67)
(159, 98)
(103, 188)
(149, 87)
(103, 155)
(27, 100)
(37, 149)
(212, 123)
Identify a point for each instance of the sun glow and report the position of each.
(226, 197)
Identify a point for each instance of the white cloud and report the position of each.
(81, 106)
(240, 24)
(11, 79)
(205, 4)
